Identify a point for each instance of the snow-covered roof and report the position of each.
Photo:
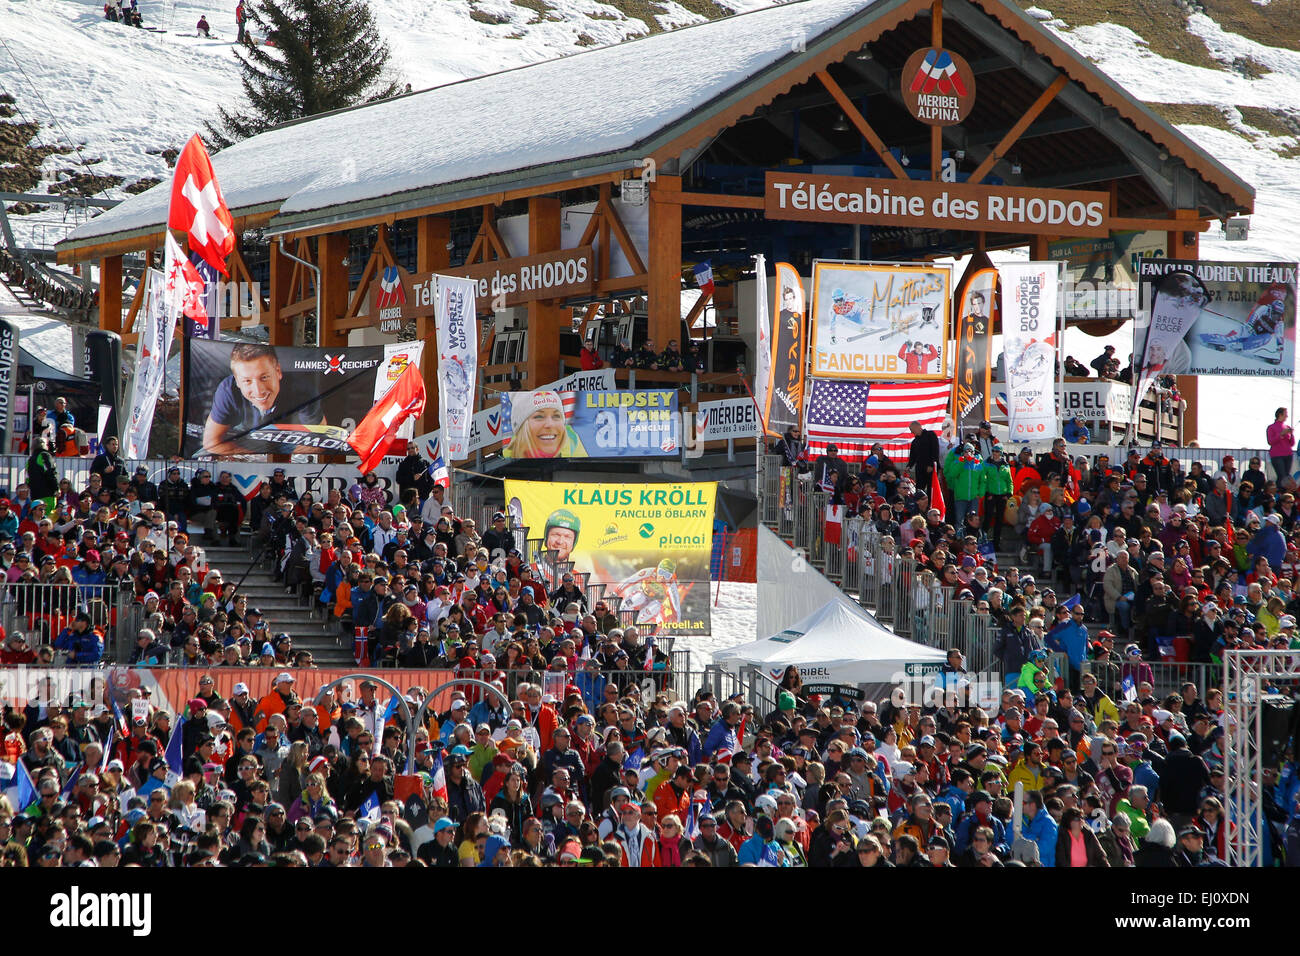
(596, 111)
(594, 104)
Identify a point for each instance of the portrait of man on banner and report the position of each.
(257, 393)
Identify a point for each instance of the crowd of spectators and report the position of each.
(1133, 560)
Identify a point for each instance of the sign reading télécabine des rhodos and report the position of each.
(399, 296)
(929, 205)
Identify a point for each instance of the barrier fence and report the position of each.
(41, 611)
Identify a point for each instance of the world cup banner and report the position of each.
(783, 399)
(1029, 347)
(547, 423)
(150, 364)
(252, 399)
(457, 339)
(1215, 318)
(976, 307)
(880, 320)
(649, 544)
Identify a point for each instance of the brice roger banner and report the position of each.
(243, 398)
(650, 544)
(549, 423)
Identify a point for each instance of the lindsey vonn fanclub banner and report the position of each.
(1029, 347)
(601, 424)
(243, 399)
(650, 544)
(1215, 318)
(880, 320)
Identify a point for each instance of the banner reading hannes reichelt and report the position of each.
(976, 306)
(457, 362)
(783, 402)
(1029, 347)
(649, 543)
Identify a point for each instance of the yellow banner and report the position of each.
(649, 544)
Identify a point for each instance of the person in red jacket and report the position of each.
(917, 355)
(589, 357)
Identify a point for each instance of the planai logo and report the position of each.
(77, 910)
(646, 530)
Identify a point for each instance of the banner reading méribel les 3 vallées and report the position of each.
(650, 544)
(252, 399)
(548, 423)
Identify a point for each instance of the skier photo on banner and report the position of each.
(1262, 335)
(652, 593)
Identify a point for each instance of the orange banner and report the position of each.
(172, 687)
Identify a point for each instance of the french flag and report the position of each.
(704, 277)
(439, 777)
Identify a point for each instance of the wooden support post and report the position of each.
(665, 267)
(279, 329)
(432, 234)
(936, 132)
(1038, 248)
(859, 122)
(110, 294)
(545, 318)
(331, 250)
(1022, 124)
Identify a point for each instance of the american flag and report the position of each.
(855, 415)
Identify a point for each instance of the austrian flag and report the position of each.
(198, 209)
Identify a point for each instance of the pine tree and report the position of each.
(318, 55)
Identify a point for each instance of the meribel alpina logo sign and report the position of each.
(938, 87)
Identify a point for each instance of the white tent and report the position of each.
(837, 644)
(791, 587)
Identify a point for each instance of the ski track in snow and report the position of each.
(734, 620)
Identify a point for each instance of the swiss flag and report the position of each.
(198, 209)
(378, 430)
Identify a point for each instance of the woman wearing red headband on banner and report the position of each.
(543, 430)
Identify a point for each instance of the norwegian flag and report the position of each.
(198, 209)
(378, 430)
(855, 415)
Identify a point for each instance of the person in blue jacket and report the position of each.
(79, 640)
(1040, 828)
(1069, 635)
(722, 736)
(1268, 542)
(981, 815)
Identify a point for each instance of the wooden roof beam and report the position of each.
(860, 122)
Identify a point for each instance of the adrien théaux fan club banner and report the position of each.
(649, 543)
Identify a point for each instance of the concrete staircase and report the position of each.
(310, 629)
